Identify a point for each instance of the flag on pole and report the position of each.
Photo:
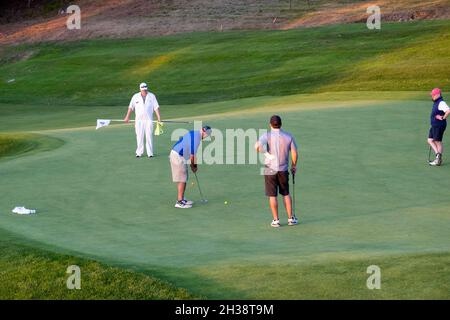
(102, 123)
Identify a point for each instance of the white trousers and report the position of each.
(144, 129)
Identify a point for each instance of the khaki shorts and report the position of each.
(179, 167)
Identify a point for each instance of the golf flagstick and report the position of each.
(163, 121)
(106, 122)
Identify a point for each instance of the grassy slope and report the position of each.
(204, 67)
(13, 145)
(70, 85)
(29, 273)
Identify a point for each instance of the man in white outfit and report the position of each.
(143, 103)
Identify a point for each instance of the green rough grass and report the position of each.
(424, 276)
(377, 210)
(29, 273)
(13, 145)
(207, 67)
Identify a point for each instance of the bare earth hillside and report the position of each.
(131, 18)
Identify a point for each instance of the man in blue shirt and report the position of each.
(438, 119)
(182, 152)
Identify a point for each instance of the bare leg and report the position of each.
(439, 146)
(181, 189)
(273, 202)
(433, 145)
(288, 205)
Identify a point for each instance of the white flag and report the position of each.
(102, 123)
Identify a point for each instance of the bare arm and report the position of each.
(294, 159)
(127, 117)
(446, 115)
(193, 163)
(158, 114)
(259, 147)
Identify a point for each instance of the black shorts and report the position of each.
(277, 182)
(437, 133)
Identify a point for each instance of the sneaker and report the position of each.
(182, 205)
(293, 221)
(275, 223)
(188, 202)
(435, 162)
(138, 156)
(150, 157)
(439, 158)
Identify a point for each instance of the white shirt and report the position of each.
(443, 106)
(144, 110)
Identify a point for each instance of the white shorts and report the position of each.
(179, 167)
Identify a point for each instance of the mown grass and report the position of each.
(13, 145)
(206, 67)
(29, 273)
(358, 201)
(407, 276)
(68, 85)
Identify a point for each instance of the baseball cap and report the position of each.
(207, 129)
(275, 122)
(435, 91)
(143, 86)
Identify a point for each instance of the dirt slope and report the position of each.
(131, 18)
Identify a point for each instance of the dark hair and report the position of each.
(206, 128)
(275, 122)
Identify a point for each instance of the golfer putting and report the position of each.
(438, 118)
(143, 103)
(182, 152)
(277, 145)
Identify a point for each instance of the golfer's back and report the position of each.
(279, 145)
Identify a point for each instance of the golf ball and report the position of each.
(226, 202)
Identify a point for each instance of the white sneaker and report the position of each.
(275, 223)
(293, 221)
(434, 163)
(188, 202)
(182, 205)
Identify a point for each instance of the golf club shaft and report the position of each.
(293, 194)
(429, 155)
(198, 185)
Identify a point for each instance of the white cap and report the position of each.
(143, 86)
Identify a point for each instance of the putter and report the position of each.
(200, 190)
(429, 155)
(293, 194)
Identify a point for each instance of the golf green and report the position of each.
(365, 195)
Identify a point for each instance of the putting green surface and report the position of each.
(365, 195)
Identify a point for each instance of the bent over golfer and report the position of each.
(277, 145)
(438, 118)
(143, 103)
(183, 151)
